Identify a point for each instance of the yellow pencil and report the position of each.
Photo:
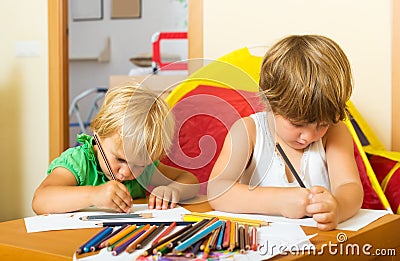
(120, 235)
(232, 241)
(195, 216)
(206, 250)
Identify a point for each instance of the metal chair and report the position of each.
(96, 95)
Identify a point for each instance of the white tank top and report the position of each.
(313, 168)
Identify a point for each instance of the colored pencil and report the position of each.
(150, 237)
(121, 247)
(195, 216)
(164, 233)
(227, 234)
(201, 234)
(206, 250)
(196, 248)
(116, 216)
(138, 223)
(236, 234)
(221, 236)
(242, 244)
(94, 240)
(254, 243)
(131, 235)
(193, 230)
(232, 242)
(204, 243)
(290, 166)
(166, 239)
(214, 238)
(247, 237)
(102, 243)
(120, 235)
(103, 155)
(140, 239)
(158, 249)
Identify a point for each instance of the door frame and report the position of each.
(58, 77)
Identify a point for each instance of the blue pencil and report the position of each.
(94, 240)
(190, 241)
(221, 237)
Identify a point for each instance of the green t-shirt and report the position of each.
(83, 163)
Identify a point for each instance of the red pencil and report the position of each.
(164, 233)
(227, 234)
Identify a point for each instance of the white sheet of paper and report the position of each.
(72, 221)
(360, 220)
(273, 240)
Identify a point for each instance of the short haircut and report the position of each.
(307, 79)
(141, 118)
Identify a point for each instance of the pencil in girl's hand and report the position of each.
(117, 215)
(103, 155)
(290, 166)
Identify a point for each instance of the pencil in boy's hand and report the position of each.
(116, 216)
(290, 166)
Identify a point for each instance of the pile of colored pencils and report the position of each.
(196, 239)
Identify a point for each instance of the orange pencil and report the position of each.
(134, 244)
(120, 235)
(247, 237)
(164, 233)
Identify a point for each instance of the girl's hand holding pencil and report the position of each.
(112, 195)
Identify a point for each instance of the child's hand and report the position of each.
(163, 196)
(113, 195)
(324, 208)
(295, 202)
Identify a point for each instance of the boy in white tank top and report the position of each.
(307, 82)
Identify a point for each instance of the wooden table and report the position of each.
(17, 244)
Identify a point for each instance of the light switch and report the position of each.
(27, 48)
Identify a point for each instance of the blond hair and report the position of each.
(143, 120)
(307, 79)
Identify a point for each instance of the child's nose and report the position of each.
(308, 135)
(125, 173)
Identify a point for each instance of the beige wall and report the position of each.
(23, 106)
(361, 27)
